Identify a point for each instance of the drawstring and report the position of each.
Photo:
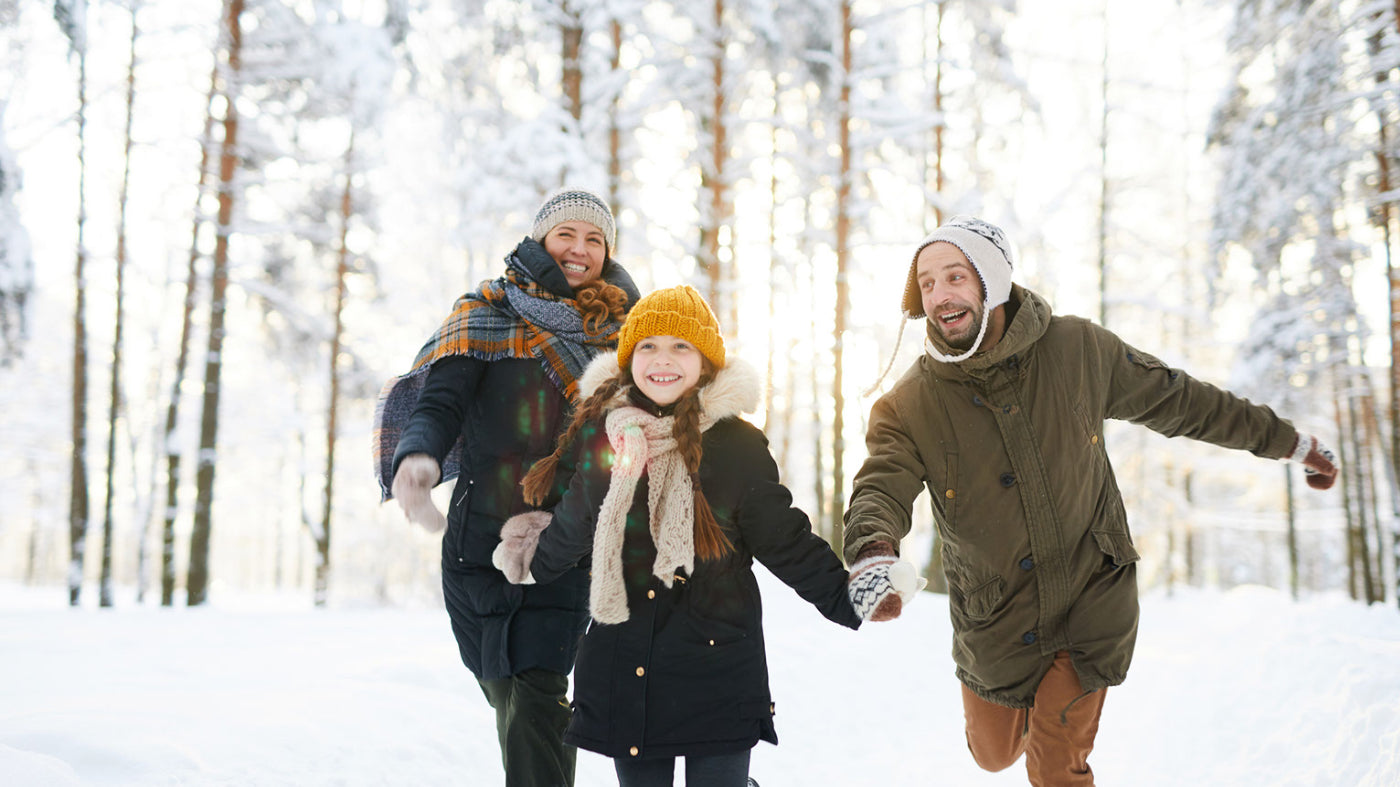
(1064, 714)
(893, 354)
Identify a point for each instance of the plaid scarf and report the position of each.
(511, 317)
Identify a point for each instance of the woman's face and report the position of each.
(665, 367)
(579, 248)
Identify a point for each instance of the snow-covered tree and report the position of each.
(16, 262)
(1293, 157)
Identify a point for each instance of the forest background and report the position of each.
(224, 224)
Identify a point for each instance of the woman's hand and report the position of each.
(413, 483)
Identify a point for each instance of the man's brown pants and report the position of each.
(1056, 734)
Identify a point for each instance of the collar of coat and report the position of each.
(1029, 322)
(736, 389)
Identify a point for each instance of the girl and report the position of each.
(672, 497)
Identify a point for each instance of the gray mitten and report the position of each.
(413, 484)
(519, 537)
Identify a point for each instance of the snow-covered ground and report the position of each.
(1233, 689)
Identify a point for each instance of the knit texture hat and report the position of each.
(985, 246)
(571, 204)
(675, 311)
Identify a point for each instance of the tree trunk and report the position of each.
(78, 491)
(615, 128)
(1103, 177)
(843, 254)
(819, 516)
(1371, 438)
(114, 394)
(342, 270)
(713, 184)
(771, 360)
(172, 412)
(1360, 470)
(1291, 510)
(570, 46)
(1345, 488)
(936, 176)
(198, 580)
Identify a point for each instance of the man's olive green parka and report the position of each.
(1010, 444)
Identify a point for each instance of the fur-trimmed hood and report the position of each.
(737, 388)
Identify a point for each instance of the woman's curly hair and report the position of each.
(600, 303)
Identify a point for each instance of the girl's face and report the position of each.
(665, 367)
(580, 250)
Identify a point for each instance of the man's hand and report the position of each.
(1319, 463)
(413, 482)
(881, 584)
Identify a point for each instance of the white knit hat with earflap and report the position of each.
(986, 248)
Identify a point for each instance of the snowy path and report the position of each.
(1229, 689)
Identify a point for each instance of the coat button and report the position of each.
(1028, 638)
(651, 594)
(641, 671)
(949, 494)
(712, 643)
(633, 751)
(1094, 440)
(1027, 564)
(1007, 479)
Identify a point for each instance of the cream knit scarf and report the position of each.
(644, 443)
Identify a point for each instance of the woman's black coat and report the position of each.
(687, 674)
(508, 414)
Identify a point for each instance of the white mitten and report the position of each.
(906, 581)
(519, 537)
(413, 483)
(881, 584)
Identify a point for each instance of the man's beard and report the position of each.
(966, 337)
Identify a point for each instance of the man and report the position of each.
(1002, 419)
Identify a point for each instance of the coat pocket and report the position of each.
(981, 601)
(1117, 547)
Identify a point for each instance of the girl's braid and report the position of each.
(710, 541)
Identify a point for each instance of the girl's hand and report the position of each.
(519, 537)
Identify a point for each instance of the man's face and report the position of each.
(951, 292)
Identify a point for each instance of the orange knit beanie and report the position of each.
(675, 311)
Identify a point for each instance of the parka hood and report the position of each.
(736, 389)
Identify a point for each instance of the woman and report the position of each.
(674, 498)
(487, 396)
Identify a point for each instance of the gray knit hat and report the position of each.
(572, 204)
